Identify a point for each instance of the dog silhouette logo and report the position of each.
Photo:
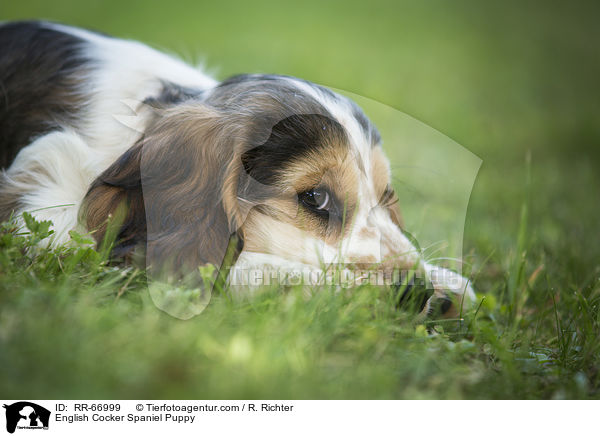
(26, 415)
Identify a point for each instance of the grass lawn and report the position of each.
(515, 83)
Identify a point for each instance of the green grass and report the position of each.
(515, 83)
(74, 326)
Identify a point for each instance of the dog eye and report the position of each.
(316, 199)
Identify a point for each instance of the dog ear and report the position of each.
(113, 208)
(176, 190)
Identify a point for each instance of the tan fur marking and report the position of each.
(380, 170)
(332, 168)
(366, 233)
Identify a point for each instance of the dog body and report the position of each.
(66, 109)
(92, 125)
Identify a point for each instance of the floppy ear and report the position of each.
(116, 198)
(172, 187)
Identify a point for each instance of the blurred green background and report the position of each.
(513, 82)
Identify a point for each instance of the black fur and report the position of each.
(172, 94)
(291, 138)
(40, 72)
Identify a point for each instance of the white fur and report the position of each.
(70, 166)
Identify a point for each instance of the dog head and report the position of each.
(289, 168)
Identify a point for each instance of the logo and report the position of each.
(26, 415)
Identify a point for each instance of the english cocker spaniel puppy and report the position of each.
(288, 173)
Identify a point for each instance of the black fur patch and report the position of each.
(291, 138)
(41, 71)
(172, 94)
(414, 298)
(446, 305)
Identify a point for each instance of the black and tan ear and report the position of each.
(115, 204)
(172, 189)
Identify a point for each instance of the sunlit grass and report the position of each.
(73, 326)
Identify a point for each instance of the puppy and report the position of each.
(93, 127)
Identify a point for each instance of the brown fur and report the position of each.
(170, 183)
(380, 170)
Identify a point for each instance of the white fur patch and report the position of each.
(59, 169)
